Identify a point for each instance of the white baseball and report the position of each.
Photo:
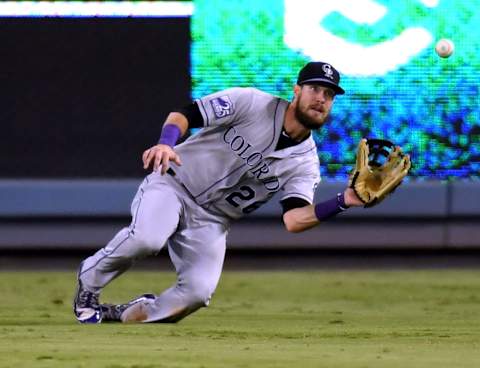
(444, 48)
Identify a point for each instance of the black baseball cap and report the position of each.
(317, 72)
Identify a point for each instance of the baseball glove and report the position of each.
(379, 169)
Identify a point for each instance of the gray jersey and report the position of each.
(231, 165)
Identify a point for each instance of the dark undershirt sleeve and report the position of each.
(293, 202)
(193, 115)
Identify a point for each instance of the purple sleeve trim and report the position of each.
(330, 208)
(170, 135)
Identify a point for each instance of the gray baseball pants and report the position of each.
(163, 212)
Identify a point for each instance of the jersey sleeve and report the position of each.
(225, 107)
(293, 202)
(302, 186)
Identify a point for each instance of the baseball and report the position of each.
(444, 48)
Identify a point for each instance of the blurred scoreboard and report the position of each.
(85, 85)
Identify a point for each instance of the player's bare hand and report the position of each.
(160, 156)
(351, 199)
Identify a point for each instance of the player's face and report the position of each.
(313, 104)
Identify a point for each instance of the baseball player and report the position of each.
(251, 145)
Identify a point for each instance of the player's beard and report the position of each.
(305, 119)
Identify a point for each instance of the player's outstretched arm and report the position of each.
(161, 154)
(300, 219)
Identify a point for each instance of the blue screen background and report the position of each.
(427, 104)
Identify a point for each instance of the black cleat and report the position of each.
(86, 306)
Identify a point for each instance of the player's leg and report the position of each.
(155, 214)
(197, 252)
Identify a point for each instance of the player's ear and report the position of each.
(296, 90)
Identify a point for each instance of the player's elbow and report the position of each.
(291, 223)
(300, 219)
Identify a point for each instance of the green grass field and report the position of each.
(256, 319)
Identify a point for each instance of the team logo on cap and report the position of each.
(222, 106)
(327, 69)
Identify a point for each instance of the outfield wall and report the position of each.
(76, 214)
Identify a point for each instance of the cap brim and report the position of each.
(338, 90)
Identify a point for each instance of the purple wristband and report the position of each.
(170, 135)
(330, 208)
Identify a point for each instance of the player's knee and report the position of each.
(199, 293)
(148, 242)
